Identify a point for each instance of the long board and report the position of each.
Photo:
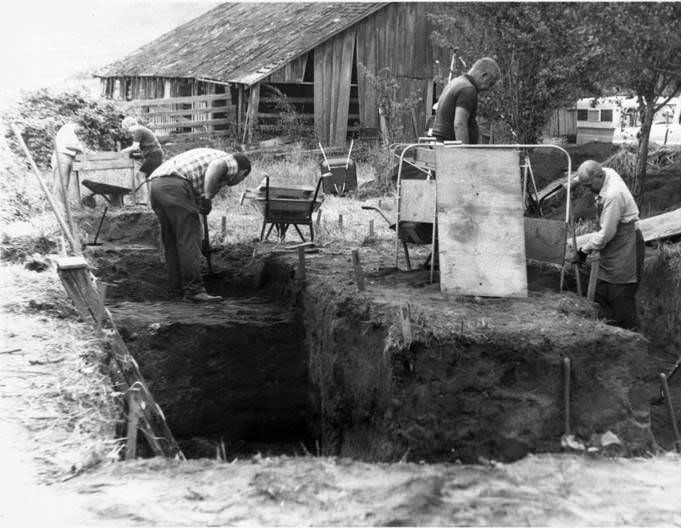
(480, 222)
(654, 228)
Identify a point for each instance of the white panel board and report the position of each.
(417, 200)
(480, 222)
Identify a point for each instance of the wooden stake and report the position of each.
(359, 274)
(670, 410)
(223, 231)
(340, 222)
(100, 312)
(405, 317)
(566, 393)
(371, 229)
(133, 422)
(593, 277)
(318, 222)
(301, 265)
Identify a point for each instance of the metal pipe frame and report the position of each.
(516, 146)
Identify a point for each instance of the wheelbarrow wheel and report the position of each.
(89, 201)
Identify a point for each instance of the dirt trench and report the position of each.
(281, 369)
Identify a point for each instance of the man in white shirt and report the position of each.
(619, 242)
(67, 145)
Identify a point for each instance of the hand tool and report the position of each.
(205, 246)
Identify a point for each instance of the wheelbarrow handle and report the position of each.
(379, 211)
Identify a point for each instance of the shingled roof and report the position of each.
(240, 42)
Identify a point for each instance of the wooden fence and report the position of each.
(190, 118)
(563, 123)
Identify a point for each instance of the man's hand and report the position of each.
(205, 205)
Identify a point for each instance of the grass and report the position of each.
(55, 384)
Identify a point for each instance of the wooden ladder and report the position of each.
(87, 295)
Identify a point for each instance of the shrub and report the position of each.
(41, 113)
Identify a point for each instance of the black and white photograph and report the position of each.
(340, 263)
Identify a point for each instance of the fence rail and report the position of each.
(186, 116)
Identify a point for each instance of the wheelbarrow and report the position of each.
(420, 233)
(283, 207)
(113, 194)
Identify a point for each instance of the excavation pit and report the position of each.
(397, 372)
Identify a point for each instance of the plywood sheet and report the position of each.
(417, 200)
(480, 222)
(545, 240)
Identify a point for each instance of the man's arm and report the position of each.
(214, 178)
(610, 218)
(135, 146)
(461, 117)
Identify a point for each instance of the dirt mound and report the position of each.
(132, 225)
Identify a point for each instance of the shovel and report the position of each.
(205, 246)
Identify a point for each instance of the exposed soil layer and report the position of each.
(235, 370)
(462, 378)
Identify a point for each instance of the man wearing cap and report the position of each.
(619, 242)
(181, 189)
(145, 142)
(455, 119)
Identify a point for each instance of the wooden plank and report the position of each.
(654, 228)
(425, 156)
(193, 124)
(545, 240)
(480, 222)
(417, 200)
(342, 104)
(189, 136)
(177, 100)
(189, 112)
(79, 284)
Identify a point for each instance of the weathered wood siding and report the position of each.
(562, 123)
(397, 38)
(332, 78)
(293, 72)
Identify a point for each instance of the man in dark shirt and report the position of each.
(455, 119)
(145, 142)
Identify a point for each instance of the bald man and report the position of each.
(619, 242)
(455, 119)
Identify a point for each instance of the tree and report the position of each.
(540, 48)
(641, 44)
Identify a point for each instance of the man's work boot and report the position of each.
(203, 297)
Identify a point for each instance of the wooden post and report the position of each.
(593, 276)
(223, 231)
(566, 394)
(133, 183)
(670, 410)
(405, 318)
(371, 229)
(359, 274)
(301, 265)
(100, 307)
(133, 422)
(340, 222)
(79, 284)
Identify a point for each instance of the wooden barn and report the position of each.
(226, 71)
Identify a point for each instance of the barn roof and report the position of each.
(240, 42)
